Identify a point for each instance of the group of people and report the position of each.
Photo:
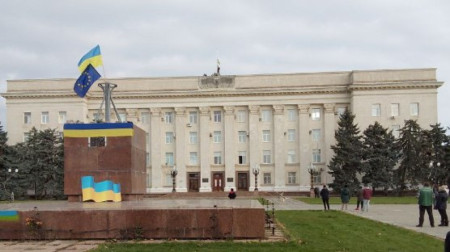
(433, 198)
(363, 197)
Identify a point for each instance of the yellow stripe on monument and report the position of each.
(98, 133)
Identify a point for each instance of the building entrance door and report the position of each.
(194, 181)
(242, 184)
(217, 182)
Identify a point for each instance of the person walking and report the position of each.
(325, 195)
(367, 195)
(441, 205)
(425, 203)
(345, 197)
(359, 198)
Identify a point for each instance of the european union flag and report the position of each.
(85, 81)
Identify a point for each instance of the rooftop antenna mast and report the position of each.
(107, 99)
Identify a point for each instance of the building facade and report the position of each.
(216, 129)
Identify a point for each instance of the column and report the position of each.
(328, 139)
(304, 143)
(180, 149)
(230, 151)
(279, 153)
(155, 150)
(205, 150)
(254, 144)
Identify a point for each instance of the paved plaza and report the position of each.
(405, 216)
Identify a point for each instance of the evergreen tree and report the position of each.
(436, 141)
(346, 162)
(379, 155)
(42, 161)
(412, 157)
(4, 175)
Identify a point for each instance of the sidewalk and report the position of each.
(406, 216)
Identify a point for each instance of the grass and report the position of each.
(373, 201)
(310, 231)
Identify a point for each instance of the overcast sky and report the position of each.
(46, 38)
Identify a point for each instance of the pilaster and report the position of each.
(304, 145)
(205, 150)
(180, 148)
(254, 143)
(230, 151)
(278, 147)
(329, 124)
(155, 150)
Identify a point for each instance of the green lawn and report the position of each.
(310, 231)
(374, 200)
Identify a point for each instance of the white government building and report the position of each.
(217, 129)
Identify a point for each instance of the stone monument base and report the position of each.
(145, 219)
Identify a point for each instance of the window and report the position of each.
(291, 135)
(193, 117)
(26, 136)
(340, 111)
(316, 156)
(395, 109)
(241, 116)
(266, 115)
(292, 177)
(147, 138)
(317, 178)
(414, 109)
(122, 117)
(396, 131)
(168, 117)
(169, 137)
(217, 116)
(266, 157)
(97, 141)
(193, 158)
(217, 137)
(376, 109)
(147, 159)
(169, 180)
(315, 113)
(169, 158)
(267, 178)
(291, 156)
(266, 135)
(45, 118)
(242, 136)
(97, 117)
(315, 134)
(292, 115)
(242, 157)
(62, 117)
(217, 157)
(193, 137)
(27, 118)
(145, 117)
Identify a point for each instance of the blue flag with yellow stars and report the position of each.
(85, 81)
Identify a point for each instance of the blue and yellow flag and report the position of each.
(85, 81)
(93, 57)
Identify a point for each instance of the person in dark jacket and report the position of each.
(325, 194)
(441, 205)
(359, 199)
(345, 197)
(232, 194)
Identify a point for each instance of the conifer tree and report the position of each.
(346, 162)
(436, 140)
(380, 156)
(412, 158)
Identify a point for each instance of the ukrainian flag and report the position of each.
(99, 192)
(93, 57)
(7, 215)
(78, 130)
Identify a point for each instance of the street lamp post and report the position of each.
(256, 172)
(7, 179)
(174, 173)
(311, 171)
(434, 172)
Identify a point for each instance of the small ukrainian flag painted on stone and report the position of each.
(99, 192)
(9, 215)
